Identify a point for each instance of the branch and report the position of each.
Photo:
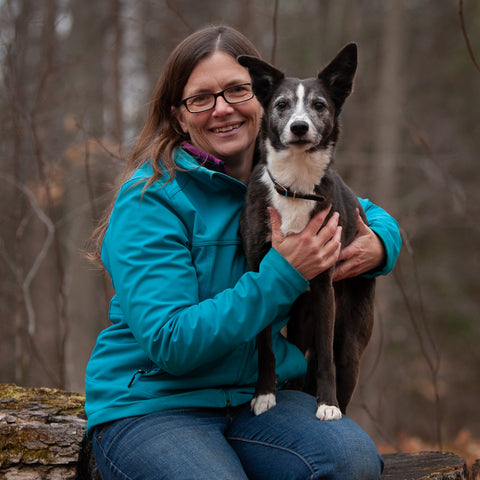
(275, 35)
(25, 284)
(465, 35)
(432, 354)
(180, 16)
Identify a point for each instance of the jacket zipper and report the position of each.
(138, 372)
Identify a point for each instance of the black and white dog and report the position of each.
(330, 323)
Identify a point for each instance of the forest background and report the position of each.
(76, 79)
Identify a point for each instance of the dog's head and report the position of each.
(303, 114)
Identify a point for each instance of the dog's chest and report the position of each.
(295, 213)
(301, 172)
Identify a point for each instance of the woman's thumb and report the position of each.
(275, 220)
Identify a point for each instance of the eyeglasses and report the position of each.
(206, 101)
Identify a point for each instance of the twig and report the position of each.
(465, 35)
(61, 305)
(179, 15)
(432, 359)
(373, 418)
(275, 35)
(26, 282)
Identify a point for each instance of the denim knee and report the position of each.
(299, 446)
(358, 459)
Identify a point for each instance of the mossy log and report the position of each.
(42, 437)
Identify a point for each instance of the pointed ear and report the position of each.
(264, 77)
(338, 75)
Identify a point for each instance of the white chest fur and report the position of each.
(300, 171)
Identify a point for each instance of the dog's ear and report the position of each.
(264, 77)
(338, 75)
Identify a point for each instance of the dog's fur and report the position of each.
(331, 323)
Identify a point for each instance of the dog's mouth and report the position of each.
(300, 142)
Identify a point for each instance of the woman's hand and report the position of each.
(365, 253)
(313, 250)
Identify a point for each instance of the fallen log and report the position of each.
(424, 465)
(42, 437)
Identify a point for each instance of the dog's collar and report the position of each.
(287, 192)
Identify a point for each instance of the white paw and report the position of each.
(328, 412)
(262, 403)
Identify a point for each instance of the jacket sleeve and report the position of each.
(386, 228)
(147, 254)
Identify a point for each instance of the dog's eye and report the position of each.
(319, 105)
(281, 105)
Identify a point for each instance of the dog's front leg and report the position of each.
(264, 397)
(324, 315)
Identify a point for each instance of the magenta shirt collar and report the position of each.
(206, 159)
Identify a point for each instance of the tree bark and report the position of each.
(42, 435)
(423, 465)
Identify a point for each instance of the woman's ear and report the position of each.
(178, 114)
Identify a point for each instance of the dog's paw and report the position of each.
(262, 403)
(328, 412)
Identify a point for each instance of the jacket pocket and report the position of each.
(150, 381)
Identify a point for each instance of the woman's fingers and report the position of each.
(313, 250)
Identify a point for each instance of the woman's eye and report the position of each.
(200, 99)
(238, 89)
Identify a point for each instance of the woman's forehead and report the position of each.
(215, 72)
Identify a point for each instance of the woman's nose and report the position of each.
(222, 107)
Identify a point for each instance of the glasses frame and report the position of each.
(215, 96)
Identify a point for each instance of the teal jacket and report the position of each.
(186, 310)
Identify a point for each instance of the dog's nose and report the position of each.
(299, 128)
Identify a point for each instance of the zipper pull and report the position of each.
(138, 372)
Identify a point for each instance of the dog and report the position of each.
(331, 323)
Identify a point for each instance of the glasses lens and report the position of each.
(199, 103)
(238, 93)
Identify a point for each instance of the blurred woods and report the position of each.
(76, 79)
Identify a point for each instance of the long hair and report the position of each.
(161, 133)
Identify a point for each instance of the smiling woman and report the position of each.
(169, 383)
(227, 129)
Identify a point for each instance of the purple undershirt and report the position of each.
(205, 159)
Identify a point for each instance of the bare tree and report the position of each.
(389, 99)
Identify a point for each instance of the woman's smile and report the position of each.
(227, 128)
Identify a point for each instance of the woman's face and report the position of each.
(228, 131)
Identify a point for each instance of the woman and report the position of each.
(169, 383)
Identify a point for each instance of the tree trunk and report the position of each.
(390, 96)
(90, 173)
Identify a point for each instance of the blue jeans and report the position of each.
(287, 442)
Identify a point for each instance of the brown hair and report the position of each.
(161, 133)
